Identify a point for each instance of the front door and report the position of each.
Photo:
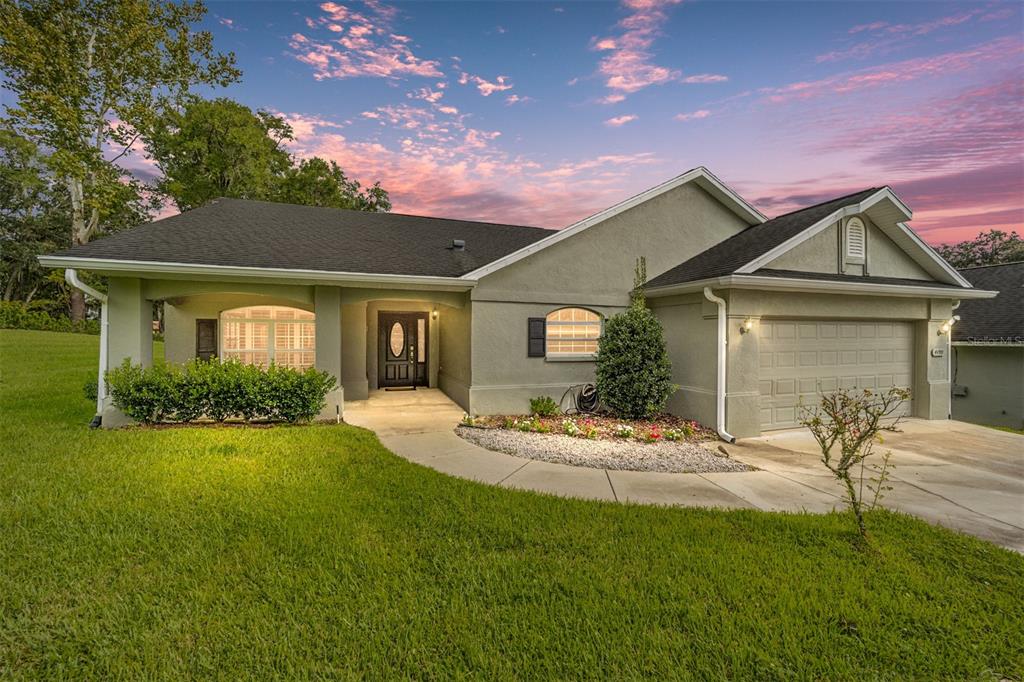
(402, 350)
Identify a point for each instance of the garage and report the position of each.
(801, 359)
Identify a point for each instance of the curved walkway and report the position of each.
(977, 488)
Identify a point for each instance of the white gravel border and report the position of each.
(666, 457)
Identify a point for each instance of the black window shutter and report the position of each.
(535, 337)
(206, 339)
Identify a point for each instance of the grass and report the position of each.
(1008, 429)
(314, 552)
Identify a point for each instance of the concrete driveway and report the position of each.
(958, 475)
(969, 478)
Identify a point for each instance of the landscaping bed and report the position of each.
(630, 455)
(667, 443)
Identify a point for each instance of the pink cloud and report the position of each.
(613, 98)
(693, 115)
(628, 66)
(706, 78)
(486, 88)
(367, 48)
(471, 178)
(618, 121)
(230, 23)
(516, 99)
(996, 51)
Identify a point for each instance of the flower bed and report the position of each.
(665, 428)
(667, 444)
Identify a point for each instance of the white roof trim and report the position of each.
(883, 194)
(702, 175)
(227, 271)
(821, 225)
(816, 286)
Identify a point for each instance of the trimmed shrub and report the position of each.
(16, 315)
(634, 374)
(218, 391)
(543, 406)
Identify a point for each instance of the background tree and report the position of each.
(34, 219)
(89, 77)
(219, 148)
(634, 374)
(988, 248)
(316, 182)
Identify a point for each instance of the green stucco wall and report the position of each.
(994, 379)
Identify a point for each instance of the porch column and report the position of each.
(130, 334)
(327, 308)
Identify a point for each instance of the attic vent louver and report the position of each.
(855, 238)
(458, 245)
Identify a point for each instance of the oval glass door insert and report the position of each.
(397, 340)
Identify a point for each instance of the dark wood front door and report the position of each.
(401, 349)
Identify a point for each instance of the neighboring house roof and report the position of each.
(726, 257)
(993, 320)
(261, 234)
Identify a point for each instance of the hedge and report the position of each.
(217, 390)
(16, 315)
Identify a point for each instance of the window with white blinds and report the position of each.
(259, 335)
(572, 332)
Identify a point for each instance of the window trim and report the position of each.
(571, 357)
(271, 323)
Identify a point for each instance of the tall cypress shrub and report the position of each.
(634, 374)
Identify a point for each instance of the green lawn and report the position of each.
(314, 552)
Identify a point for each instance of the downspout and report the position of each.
(71, 276)
(720, 392)
(949, 358)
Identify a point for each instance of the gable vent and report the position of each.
(855, 238)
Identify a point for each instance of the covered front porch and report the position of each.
(371, 339)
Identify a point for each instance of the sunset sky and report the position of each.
(543, 113)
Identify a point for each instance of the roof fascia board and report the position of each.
(702, 175)
(229, 271)
(811, 286)
(936, 258)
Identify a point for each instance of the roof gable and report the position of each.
(701, 176)
(757, 246)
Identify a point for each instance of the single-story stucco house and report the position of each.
(988, 349)
(759, 315)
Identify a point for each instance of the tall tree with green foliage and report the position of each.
(35, 219)
(634, 374)
(90, 77)
(988, 248)
(316, 182)
(219, 148)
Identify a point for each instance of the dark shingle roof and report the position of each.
(999, 319)
(870, 279)
(728, 256)
(238, 232)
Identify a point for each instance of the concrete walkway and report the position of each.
(971, 479)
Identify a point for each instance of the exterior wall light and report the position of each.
(747, 326)
(433, 313)
(948, 325)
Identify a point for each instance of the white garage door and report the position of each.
(800, 359)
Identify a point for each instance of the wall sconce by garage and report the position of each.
(433, 313)
(747, 326)
(947, 326)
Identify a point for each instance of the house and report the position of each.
(988, 349)
(759, 314)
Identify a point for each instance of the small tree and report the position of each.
(847, 426)
(634, 375)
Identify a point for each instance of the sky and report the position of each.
(542, 113)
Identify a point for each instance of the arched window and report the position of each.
(259, 335)
(572, 332)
